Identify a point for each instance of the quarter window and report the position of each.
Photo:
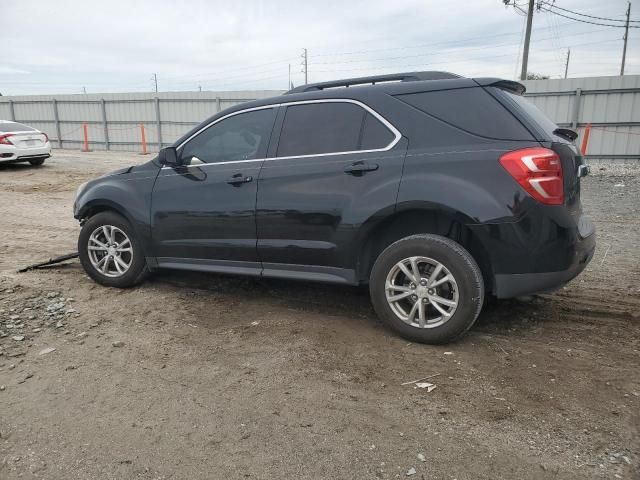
(240, 137)
(317, 128)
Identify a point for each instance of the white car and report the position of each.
(20, 143)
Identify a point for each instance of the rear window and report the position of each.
(15, 127)
(533, 112)
(470, 109)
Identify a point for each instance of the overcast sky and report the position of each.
(61, 46)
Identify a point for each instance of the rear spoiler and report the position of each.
(508, 85)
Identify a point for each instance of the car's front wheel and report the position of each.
(110, 252)
(427, 288)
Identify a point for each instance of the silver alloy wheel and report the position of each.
(422, 292)
(110, 251)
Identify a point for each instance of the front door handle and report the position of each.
(238, 179)
(360, 168)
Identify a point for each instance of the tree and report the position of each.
(536, 76)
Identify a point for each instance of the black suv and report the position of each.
(433, 189)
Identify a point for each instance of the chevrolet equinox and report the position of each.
(432, 189)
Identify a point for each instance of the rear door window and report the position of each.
(374, 134)
(470, 109)
(330, 127)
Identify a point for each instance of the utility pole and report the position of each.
(289, 85)
(626, 36)
(527, 40)
(200, 88)
(566, 65)
(155, 81)
(305, 65)
(84, 90)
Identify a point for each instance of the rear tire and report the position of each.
(427, 288)
(36, 162)
(110, 253)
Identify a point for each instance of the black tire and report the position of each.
(138, 269)
(36, 162)
(460, 264)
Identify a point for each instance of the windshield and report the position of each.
(15, 127)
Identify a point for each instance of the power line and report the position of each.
(432, 44)
(586, 21)
(591, 16)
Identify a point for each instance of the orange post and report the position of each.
(585, 139)
(85, 131)
(144, 140)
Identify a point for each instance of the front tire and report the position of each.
(427, 288)
(110, 252)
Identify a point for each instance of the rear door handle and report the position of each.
(238, 179)
(359, 168)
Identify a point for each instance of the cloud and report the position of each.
(62, 46)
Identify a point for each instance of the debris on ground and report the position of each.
(420, 379)
(411, 471)
(428, 386)
(46, 350)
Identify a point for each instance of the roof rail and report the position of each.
(394, 77)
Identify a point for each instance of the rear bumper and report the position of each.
(11, 153)
(515, 284)
(539, 253)
(24, 158)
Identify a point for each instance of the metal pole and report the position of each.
(158, 125)
(576, 108)
(566, 65)
(12, 111)
(527, 40)
(56, 117)
(218, 106)
(155, 80)
(105, 124)
(626, 36)
(306, 66)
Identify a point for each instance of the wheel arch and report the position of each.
(94, 207)
(416, 219)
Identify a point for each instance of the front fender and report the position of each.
(128, 194)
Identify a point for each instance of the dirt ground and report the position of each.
(194, 376)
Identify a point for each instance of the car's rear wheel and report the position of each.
(427, 288)
(110, 252)
(36, 161)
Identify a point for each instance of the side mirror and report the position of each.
(168, 156)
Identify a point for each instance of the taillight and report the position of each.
(538, 171)
(46, 137)
(4, 139)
